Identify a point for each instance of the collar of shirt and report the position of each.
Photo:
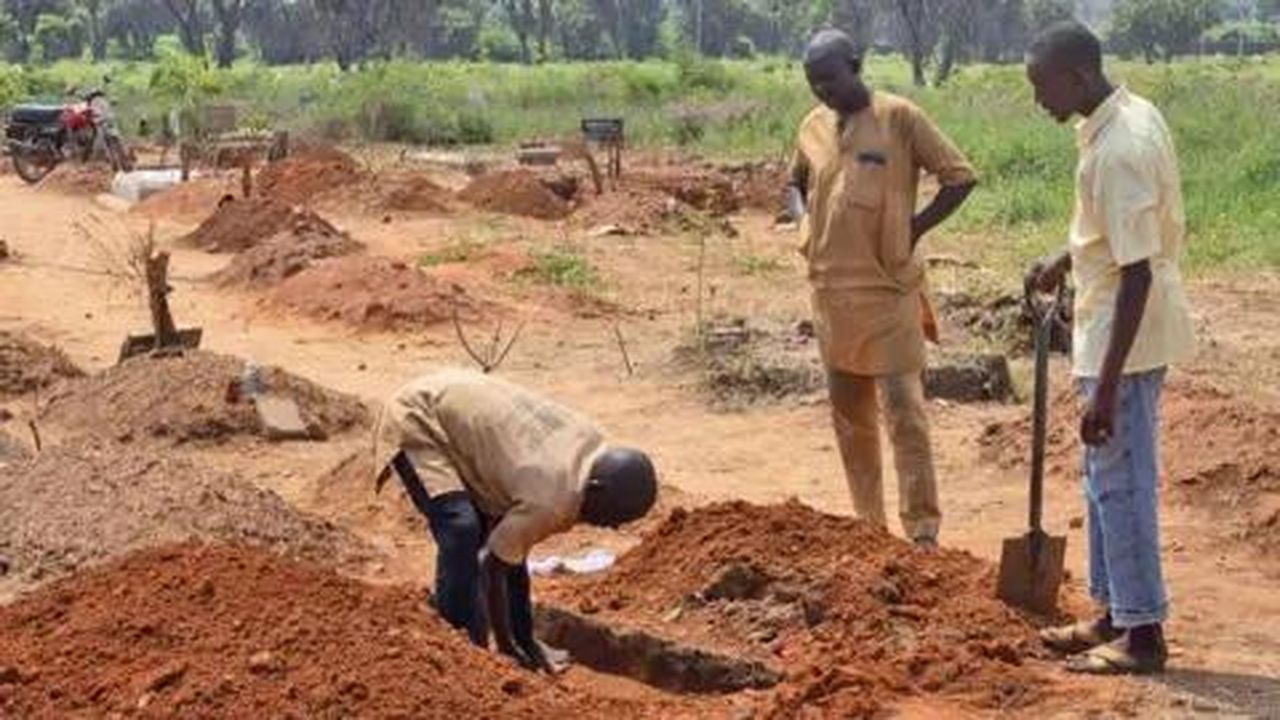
(1087, 129)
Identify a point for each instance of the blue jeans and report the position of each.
(1121, 489)
(460, 532)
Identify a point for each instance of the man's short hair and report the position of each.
(1069, 44)
(831, 42)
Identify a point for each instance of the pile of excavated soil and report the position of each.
(77, 505)
(636, 211)
(27, 366)
(371, 293)
(77, 179)
(1218, 451)
(516, 192)
(346, 491)
(857, 618)
(308, 173)
(288, 253)
(760, 186)
(239, 225)
(710, 192)
(216, 631)
(196, 198)
(1223, 452)
(413, 193)
(184, 399)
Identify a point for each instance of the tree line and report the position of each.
(935, 35)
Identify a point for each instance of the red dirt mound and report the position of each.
(231, 632)
(370, 293)
(1217, 450)
(413, 193)
(858, 618)
(1223, 452)
(197, 198)
(308, 173)
(241, 224)
(26, 365)
(711, 192)
(78, 505)
(760, 186)
(290, 252)
(77, 179)
(184, 399)
(516, 192)
(634, 210)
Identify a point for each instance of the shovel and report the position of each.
(1031, 565)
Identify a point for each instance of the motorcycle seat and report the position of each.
(35, 114)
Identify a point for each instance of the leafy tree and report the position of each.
(135, 24)
(190, 17)
(59, 36)
(229, 14)
(1160, 28)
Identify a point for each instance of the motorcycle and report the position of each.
(41, 137)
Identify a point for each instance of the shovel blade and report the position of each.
(1031, 569)
(135, 345)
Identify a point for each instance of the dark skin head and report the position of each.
(622, 488)
(833, 67)
(1065, 68)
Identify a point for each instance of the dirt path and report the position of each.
(1226, 623)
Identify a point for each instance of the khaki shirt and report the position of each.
(863, 183)
(1128, 209)
(523, 459)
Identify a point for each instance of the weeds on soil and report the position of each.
(561, 267)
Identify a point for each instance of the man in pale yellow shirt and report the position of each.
(1131, 323)
(855, 181)
(496, 469)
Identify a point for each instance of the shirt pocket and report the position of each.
(865, 181)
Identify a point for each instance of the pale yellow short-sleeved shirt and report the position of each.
(863, 177)
(1128, 209)
(524, 459)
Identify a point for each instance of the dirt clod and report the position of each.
(184, 399)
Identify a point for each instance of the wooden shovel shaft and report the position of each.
(1040, 411)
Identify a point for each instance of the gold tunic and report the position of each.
(863, 181)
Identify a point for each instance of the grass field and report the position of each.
(1221, 112)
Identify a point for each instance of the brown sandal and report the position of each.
(1116, 659)
(1080, 637)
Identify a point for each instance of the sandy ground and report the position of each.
(1225, 630)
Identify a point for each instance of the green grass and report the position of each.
(560, 267)
(1220, 110)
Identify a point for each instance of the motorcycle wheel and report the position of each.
(29, 170)
(117, 155)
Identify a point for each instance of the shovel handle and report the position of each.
(1045, 317)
